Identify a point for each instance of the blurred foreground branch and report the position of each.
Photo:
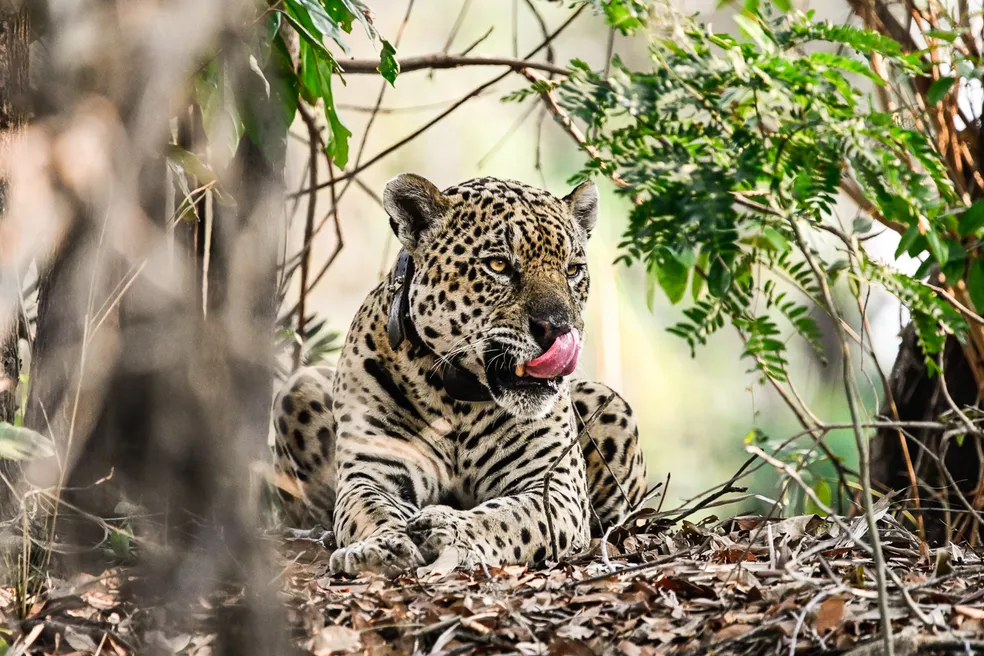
(148, 396)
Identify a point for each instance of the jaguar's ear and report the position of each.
(415, 207)
(583, 202)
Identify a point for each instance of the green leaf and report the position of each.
(862, 225)
(319, 23)
(191, 164)
(939, 89)
(316, 75)
(945, 35)
(972, 219)
(908, 238)
(756, 33)
(822, 489)
(672, 276)
(835, 267)
(301, 23)
(832, 60)
(975, 285)
(936, 246)
(389, 67)
(347, 11)
(956, 257)
(338, 143)
(651, 289)
(626, 16)
(120, 543)
(783, 5)
(19, 443)
(718, 278)
(776, 239)
(756, 436)
(268, 101)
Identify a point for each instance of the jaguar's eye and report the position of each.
(574, 270)
(497, 264)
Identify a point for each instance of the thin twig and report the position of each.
(313, 156)
(458, 21)
(662, 560)
(551, 55)
(861, 442)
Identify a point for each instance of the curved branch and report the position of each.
(443, 60)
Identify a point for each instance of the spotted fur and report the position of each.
(405, 470)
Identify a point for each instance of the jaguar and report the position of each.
(454, 418)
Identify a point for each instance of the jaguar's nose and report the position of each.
(547, 329)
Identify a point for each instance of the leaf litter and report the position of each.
(744, 585)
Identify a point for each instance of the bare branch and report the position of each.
(441, 60)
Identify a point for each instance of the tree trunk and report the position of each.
(14, 74)
(918, 396)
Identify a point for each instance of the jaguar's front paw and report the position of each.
(435, 528)
(388, 555)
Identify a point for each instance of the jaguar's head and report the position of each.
(501, 280)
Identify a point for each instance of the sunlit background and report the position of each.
(694, 412)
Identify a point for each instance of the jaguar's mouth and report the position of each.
(506, 375)
(540, 375)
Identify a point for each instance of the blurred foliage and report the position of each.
(626, 16)
(284, 78)
(317, 340)
(320, 26)
(20, 443)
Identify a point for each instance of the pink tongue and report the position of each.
(559, 360)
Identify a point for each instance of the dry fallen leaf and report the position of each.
(566, 647)
(575, 631)
(969, 611)
(830, 614)
(336, 639)
(798, 527)
(731, 632)
(79, 641)
(446, 563)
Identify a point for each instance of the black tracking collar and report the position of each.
(460, 384)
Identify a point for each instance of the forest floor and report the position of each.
(739, 586)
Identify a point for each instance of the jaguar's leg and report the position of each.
(305, 447)
(616, 467)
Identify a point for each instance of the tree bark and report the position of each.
(15, 27)
(918, 396)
